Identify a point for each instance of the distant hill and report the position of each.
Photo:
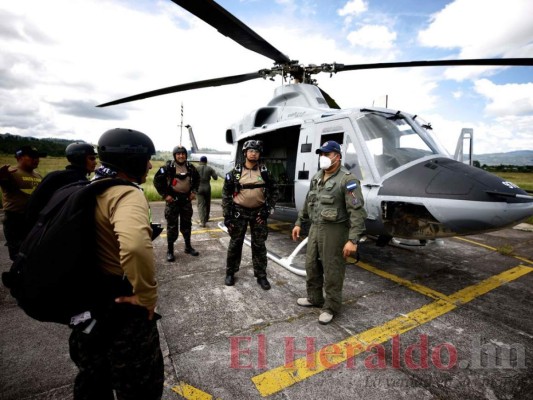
(53, 147)
(520, 158)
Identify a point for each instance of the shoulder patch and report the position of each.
(350, 186)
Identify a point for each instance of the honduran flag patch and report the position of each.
(351, 186)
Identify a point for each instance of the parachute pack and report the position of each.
(55, 275)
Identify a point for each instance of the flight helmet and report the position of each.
(178, 149)
(126, 150)
(253, 144)
(77, 152)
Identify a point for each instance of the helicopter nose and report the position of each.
(464, 199)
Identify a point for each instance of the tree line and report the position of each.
(53, 147)
(504, 167)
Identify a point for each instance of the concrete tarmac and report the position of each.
(451, 320)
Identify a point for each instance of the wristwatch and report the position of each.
(354, 241)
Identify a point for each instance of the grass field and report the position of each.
(48, 164)
(522, 179)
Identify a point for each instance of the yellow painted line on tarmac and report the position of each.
(190, 392)
(471, 292)
(491, 248)
(277, 379)
(476, 243)
(204, 230)
(197, 231)
(524, 260)
(426, 291)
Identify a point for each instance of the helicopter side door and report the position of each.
(312, 136)
(306, 163)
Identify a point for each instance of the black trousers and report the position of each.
(122, 354)
(14, 231)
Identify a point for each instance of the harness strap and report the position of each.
(252, 185)
(237, 187)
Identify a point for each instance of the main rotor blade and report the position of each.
(227, 24)
(227, 80)
(330, 100)
(441, 63)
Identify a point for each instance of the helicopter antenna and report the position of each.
(181, 124)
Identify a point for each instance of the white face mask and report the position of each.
(324, 162)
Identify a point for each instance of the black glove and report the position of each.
(156, 230)
(264, 214)
(228, 224)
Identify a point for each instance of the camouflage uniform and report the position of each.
(179, 212)
(204, 191)
(335, 210)
(106, 361)
(239, 217)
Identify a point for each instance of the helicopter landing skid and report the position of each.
(400, 242)
(285, 262)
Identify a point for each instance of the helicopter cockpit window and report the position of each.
(392, 141)
(351, 161)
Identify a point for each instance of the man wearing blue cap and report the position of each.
(334, 206)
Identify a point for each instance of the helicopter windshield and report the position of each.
(393, 141)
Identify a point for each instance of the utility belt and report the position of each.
(239, 186)
(245, 212)
(181, 197)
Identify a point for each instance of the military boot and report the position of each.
(170, 252)
(230, 280)
(263, 282)
(189, 249)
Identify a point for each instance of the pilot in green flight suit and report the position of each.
(334, 206)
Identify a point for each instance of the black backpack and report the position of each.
(55, 275)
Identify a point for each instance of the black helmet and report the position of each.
(77, 151)
(126, 150)
(253, 145)
(178, 149)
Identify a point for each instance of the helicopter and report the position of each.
(413, 189)
(218, 160)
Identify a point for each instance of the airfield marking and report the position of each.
(190, 392)
(426, 291)
(492, 248)
(279, 378)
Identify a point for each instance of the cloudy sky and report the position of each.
(60, 58)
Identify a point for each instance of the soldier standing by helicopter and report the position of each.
(334, 206)
(204, 191)
(177, 182)
(248, 197)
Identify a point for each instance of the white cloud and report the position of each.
(373, 37)
(494, 136)
(506, 100)
(353, 8)
(480, 28)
